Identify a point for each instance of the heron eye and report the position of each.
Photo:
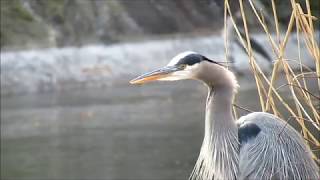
(182, 66)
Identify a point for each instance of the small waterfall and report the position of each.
(58, 69)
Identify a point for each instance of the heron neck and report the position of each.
(219, 110)
(221, 135)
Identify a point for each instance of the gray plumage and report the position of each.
(257, 146)
(277, 152)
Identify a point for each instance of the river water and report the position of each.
(124, 132)
(120, 132)
(111, 129)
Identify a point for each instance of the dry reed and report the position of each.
(304, 110)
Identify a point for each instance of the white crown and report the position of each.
(178, 57)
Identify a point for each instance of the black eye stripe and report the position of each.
(192, 59)
(209, 60)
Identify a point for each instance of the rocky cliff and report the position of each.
(29, 24)
(47, 23)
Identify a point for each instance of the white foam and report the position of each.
(49, 69)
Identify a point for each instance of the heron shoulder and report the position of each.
(266, 126)
(275, 137)
(251, 125)
(247, 131)
(261, 119)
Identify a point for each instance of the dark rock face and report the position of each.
(51, 23)
(19, 27)
(167, 16)
(56, 23)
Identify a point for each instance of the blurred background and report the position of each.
(67, 109)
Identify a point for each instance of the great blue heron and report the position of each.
(257, 146)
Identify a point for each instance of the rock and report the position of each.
(27, 24)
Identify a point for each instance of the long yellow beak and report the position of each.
(155, 75)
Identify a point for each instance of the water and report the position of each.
(55, 126)
(124, 132)
(58, 69)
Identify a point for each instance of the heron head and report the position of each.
(185, 65)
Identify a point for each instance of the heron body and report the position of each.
(257, 146)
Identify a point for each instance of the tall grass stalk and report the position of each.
(304, 110)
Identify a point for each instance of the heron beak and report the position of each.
(159, 74)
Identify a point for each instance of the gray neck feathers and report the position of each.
(219, 152)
